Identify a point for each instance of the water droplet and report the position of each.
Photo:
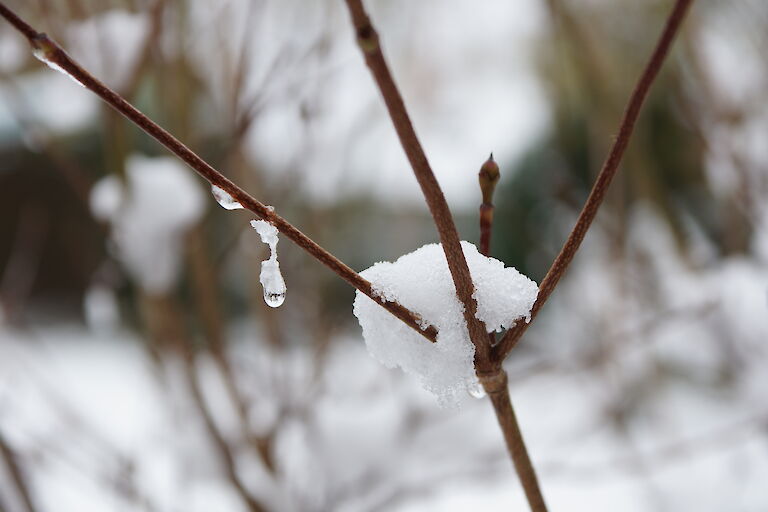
(271, 278)
(272, 281)
(274, 300)
(41, 55)
(225, 200)
(476, 390)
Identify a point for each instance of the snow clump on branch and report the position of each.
(421, 282)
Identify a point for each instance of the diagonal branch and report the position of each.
(47, 50)
(368, 41)
(608, 171)
(17, 477)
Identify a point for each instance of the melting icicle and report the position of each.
(270, 277)
(40, 54)
(476, 390)
(225, 200)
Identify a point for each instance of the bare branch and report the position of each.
(496, 385)
(17, 22)
(488, 178)
(608, 171)
(492, 377)
(368, 41)
(54, 54)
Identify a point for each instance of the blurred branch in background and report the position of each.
(54, 56)
(654, 338)
(14, 467)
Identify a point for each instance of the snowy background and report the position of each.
(141, 370)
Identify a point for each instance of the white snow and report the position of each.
(421, 282)
(271, 278)
(13, 51)
(225, 200)
(48, 102)
(149, 216)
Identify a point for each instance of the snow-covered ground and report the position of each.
(98, 428)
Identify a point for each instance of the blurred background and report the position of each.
(141, 370)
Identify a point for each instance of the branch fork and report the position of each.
(488, 356)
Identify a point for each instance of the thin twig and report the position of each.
(54, 54)
(610, 167)
(492, 377)
(496, 385)
(488, 178)
(368, 41)
(18, 23)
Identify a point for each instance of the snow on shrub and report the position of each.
(421, 282)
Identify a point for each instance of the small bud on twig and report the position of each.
(489, 177)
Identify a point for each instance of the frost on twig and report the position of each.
(271, 279)
(422, 282)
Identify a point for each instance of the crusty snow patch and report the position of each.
(421, 282)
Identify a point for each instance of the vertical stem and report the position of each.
(488, 178)
(486, 223)
(496, 386)
(368, 42)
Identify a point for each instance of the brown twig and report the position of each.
(368, 41)
(54, 54)
(18, 23)
(488, 178)
(492, 377)
(608, 171)
(496, 385)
